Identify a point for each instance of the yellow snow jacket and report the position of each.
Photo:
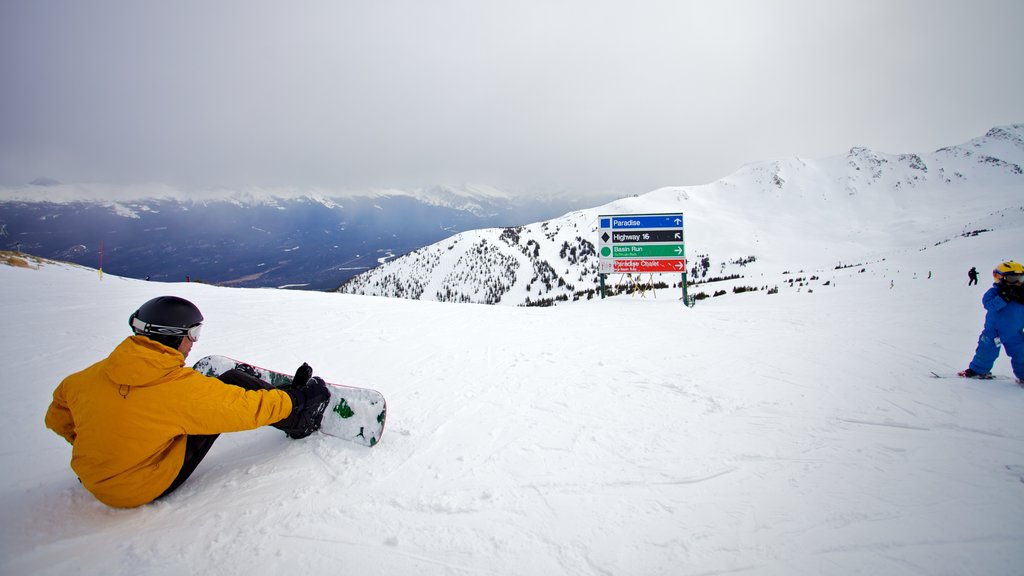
(127, 418)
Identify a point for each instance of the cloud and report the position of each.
(579, 94)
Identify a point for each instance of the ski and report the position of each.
(956, 375)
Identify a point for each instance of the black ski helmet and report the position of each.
(166, 319)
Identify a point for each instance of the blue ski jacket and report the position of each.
(1003, 319)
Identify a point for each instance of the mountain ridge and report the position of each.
(866, 202)
(471, 197)
(246, 237)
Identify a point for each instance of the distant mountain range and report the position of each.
(248, 238)
(470, 243)
(848, 209)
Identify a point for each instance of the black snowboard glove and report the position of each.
(301, 376)
(308, 405)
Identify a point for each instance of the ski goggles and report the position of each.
(192, 332)
(1016, 279)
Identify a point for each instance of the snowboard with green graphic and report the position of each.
(355, 414)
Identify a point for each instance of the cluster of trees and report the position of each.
(735, 290)
(545, 274)
(390, 285)
(802, 281)
(544, 302)
(482, 275)
(545, 277)
(744, 260)
(700, 269)
(699, 272)
(719, 279)
(973, 233)
(511, 235)
(580, 252)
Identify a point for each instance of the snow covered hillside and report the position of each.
(795, 434)
(759, 228)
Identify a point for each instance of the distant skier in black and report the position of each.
(973, 275)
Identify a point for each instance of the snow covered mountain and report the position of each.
(849, 209)
(313, 239)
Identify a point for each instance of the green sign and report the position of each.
(642, 251)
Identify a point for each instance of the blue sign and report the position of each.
(642, 222)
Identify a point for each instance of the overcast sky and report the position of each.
(577, 94)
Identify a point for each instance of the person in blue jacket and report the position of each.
(1004, 323)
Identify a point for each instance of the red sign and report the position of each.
(642, 265)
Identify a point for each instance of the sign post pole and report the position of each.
(686, 297)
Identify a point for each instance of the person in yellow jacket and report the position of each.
(140, 421)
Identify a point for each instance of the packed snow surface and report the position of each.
(791, 433)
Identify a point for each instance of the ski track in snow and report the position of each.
(787, 434)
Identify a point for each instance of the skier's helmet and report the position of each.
(1009, 272)
(167, 319)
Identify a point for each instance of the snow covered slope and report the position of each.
(797, 434)
(766, 219)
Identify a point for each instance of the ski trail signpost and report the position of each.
(641, 244)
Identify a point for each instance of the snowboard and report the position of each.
(355, 414)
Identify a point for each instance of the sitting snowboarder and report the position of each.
(1004, 323)
(139, 421)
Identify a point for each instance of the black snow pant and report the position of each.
(198, 445)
